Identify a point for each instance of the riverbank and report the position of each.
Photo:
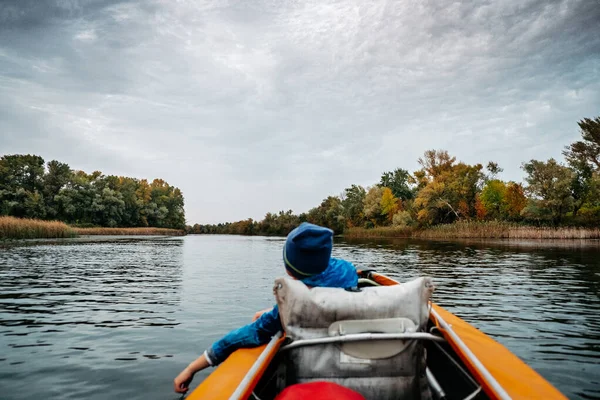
(22, 228)
(476, 230)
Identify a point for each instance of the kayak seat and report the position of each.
(377, 369)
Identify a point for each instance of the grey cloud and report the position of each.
(259, 106)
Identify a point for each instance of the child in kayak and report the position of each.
(306, 257)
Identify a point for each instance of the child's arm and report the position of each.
(182, 381)
(252, 335)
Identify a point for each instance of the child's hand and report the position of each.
(258, 314)
(182, 382)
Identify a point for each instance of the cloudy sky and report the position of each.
(263, 105)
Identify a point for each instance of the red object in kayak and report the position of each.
(318, 391)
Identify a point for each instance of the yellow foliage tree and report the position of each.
(389, 203)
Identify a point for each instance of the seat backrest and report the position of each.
(376, 369)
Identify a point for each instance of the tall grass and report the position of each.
(505, 230)
(129, 231)
(468, 229)
(17, 228)
(20, 228)
(379, 232)
(475, 229)
(550, 233)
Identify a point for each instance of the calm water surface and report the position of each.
(108, 318)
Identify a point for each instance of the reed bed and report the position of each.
(129, 231)
(21, 228)
(550, 233)
(379, 232)
(477, 230)
(467, 229)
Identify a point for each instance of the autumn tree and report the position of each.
(448, 190)
(435, 162)
(515, 200)
(388, 203)
(480, 210)
(402, 219)
(372, 206)
(464, 182)
(433, 204)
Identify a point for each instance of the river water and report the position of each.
(108, 317)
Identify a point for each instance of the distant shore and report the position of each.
(20, 228)
(476, 230)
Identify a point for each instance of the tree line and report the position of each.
(29, 188)
(444, 191)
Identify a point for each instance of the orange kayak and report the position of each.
(464, 363)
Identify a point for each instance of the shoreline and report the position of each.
(16, 228)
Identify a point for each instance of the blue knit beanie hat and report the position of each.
(307, 250)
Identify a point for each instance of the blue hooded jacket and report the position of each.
(339, 273)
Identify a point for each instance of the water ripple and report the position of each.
(120, 317)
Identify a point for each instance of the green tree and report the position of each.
(143, 194)
(166, 206)
(107, 208)
(493, 198)
(127, 187)
(536, 211)
(56, 178)
(353, 204)
(176, 215)
(493, 170)
(20, 185)
(329, 213)
(581, 184)
(550, 184)
(586, 150)
(399, 182)
(21, 171)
